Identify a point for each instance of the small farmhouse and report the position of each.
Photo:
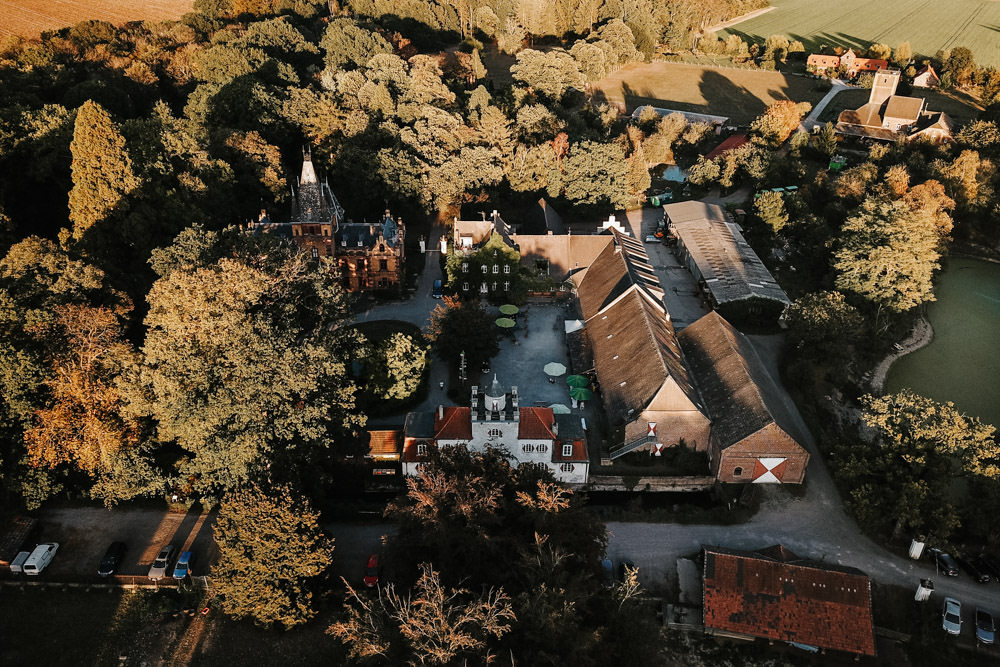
(891, 117)
(773, 594)
(926, 78)
(849, 61)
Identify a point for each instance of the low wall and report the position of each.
(648, 484)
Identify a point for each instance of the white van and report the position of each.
(17, 565)
(40, 558)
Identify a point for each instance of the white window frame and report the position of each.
(421, 449)
(567, 450)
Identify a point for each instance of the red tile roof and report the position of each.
(456, 424)
(870, 64)
(409, 454)
(535, 424)
(776, 595)
(729, 144)
(579, 451)
(820, 60)
(385, 444)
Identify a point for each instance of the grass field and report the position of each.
(740, 94)
(959, 107)
(928, 25)
(30, 17)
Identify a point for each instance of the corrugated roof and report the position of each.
(788, 599)
(740, 395)
(732, 271)
(385, 443)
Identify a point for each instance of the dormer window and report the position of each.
(568, 450)
(422, 449)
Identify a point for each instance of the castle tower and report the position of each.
(884, 86)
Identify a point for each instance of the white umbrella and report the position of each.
(554, 368)
(560, 409)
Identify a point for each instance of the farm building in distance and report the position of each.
(775, 595)
(891, 117)
(849, 61)
(926, 78)
(689, 116)
(733, 276)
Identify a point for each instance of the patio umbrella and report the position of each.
(560, 409)
(577, 381)
(505, 322)
(509, 309)
(554, 368)
(580, 393)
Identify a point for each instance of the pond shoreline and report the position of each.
(920, 336)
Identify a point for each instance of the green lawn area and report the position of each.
(738, 93)
(927, 26)
(961, 108)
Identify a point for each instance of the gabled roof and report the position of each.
(535, 424)
(776, 595)
(821, 60)
(907, 108)
(729, 144)
(740, 395)
(622, 265)
(456, 424)
(385, 443)
(868, 114)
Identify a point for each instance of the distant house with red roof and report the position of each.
(729, 144)
(891, 117)
(776, 595)
(926, 78)
(852, 64)
(495, 419)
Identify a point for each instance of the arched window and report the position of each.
(496, 268)
(506, 268)
(737, 471)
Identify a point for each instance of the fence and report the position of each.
(126, 582)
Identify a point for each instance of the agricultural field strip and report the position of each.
(29, 17)
(926, 24)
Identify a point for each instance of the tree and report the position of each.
(959, 65)
(272, 553)
(888, 256)
(551, 74)
(903, 54)
(770, 207)
(477, 68)
(897, 180)
(703, 172)
(461, 326)
(823, 325)
(433, 625)
(597, 174)
(244, 363)
(779, 120)
(401, 362)
(880, 51)
(102, 169)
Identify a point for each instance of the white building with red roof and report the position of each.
(496, 420)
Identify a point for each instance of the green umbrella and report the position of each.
(577, 381)
(509, 309)
(580, 393)
(560, 409)
(505, 322)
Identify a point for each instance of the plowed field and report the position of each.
(30, 17)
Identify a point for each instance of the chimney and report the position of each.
(513, 404)
(440, 413)
(555, 426)
(475, 403)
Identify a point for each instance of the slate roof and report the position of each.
(776, 595)
(384, 444)
(314, 201)
(740, 395)
(622, 264)
(732, 271)
(456, 424)
(535, 424)
(419, 425)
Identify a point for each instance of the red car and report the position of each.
(371, 572)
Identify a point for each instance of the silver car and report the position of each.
(951, 618)
(162, 563)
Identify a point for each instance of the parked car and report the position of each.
(17, 565)
(607, 573)
(40, 558)
(986, 629)
(183, 567)
(945, 563)
(112, 559)
(951, 617)
(437, 290)
(162, 563)
(975, 571)
(650, 238)
(371, 571)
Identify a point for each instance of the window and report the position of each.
(506, 286)
(496, 269)
(566, 467)
(465, 286)
(737, 471)
(541, 449)
(568, 450)
(527, 449)
(495, 433)
(315, 253)
(485, 269)
(422, 449)
(383, 265)
(506, 268)
(465, 267)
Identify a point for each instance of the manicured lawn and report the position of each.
(927, 26)
(961, 108)
(740, 94)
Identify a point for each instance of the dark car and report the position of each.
(945, 563)
(112, 559)
(986, 630)
(371, 572)
(437, 290)
(975, 571)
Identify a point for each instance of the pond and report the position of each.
(962, 363)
